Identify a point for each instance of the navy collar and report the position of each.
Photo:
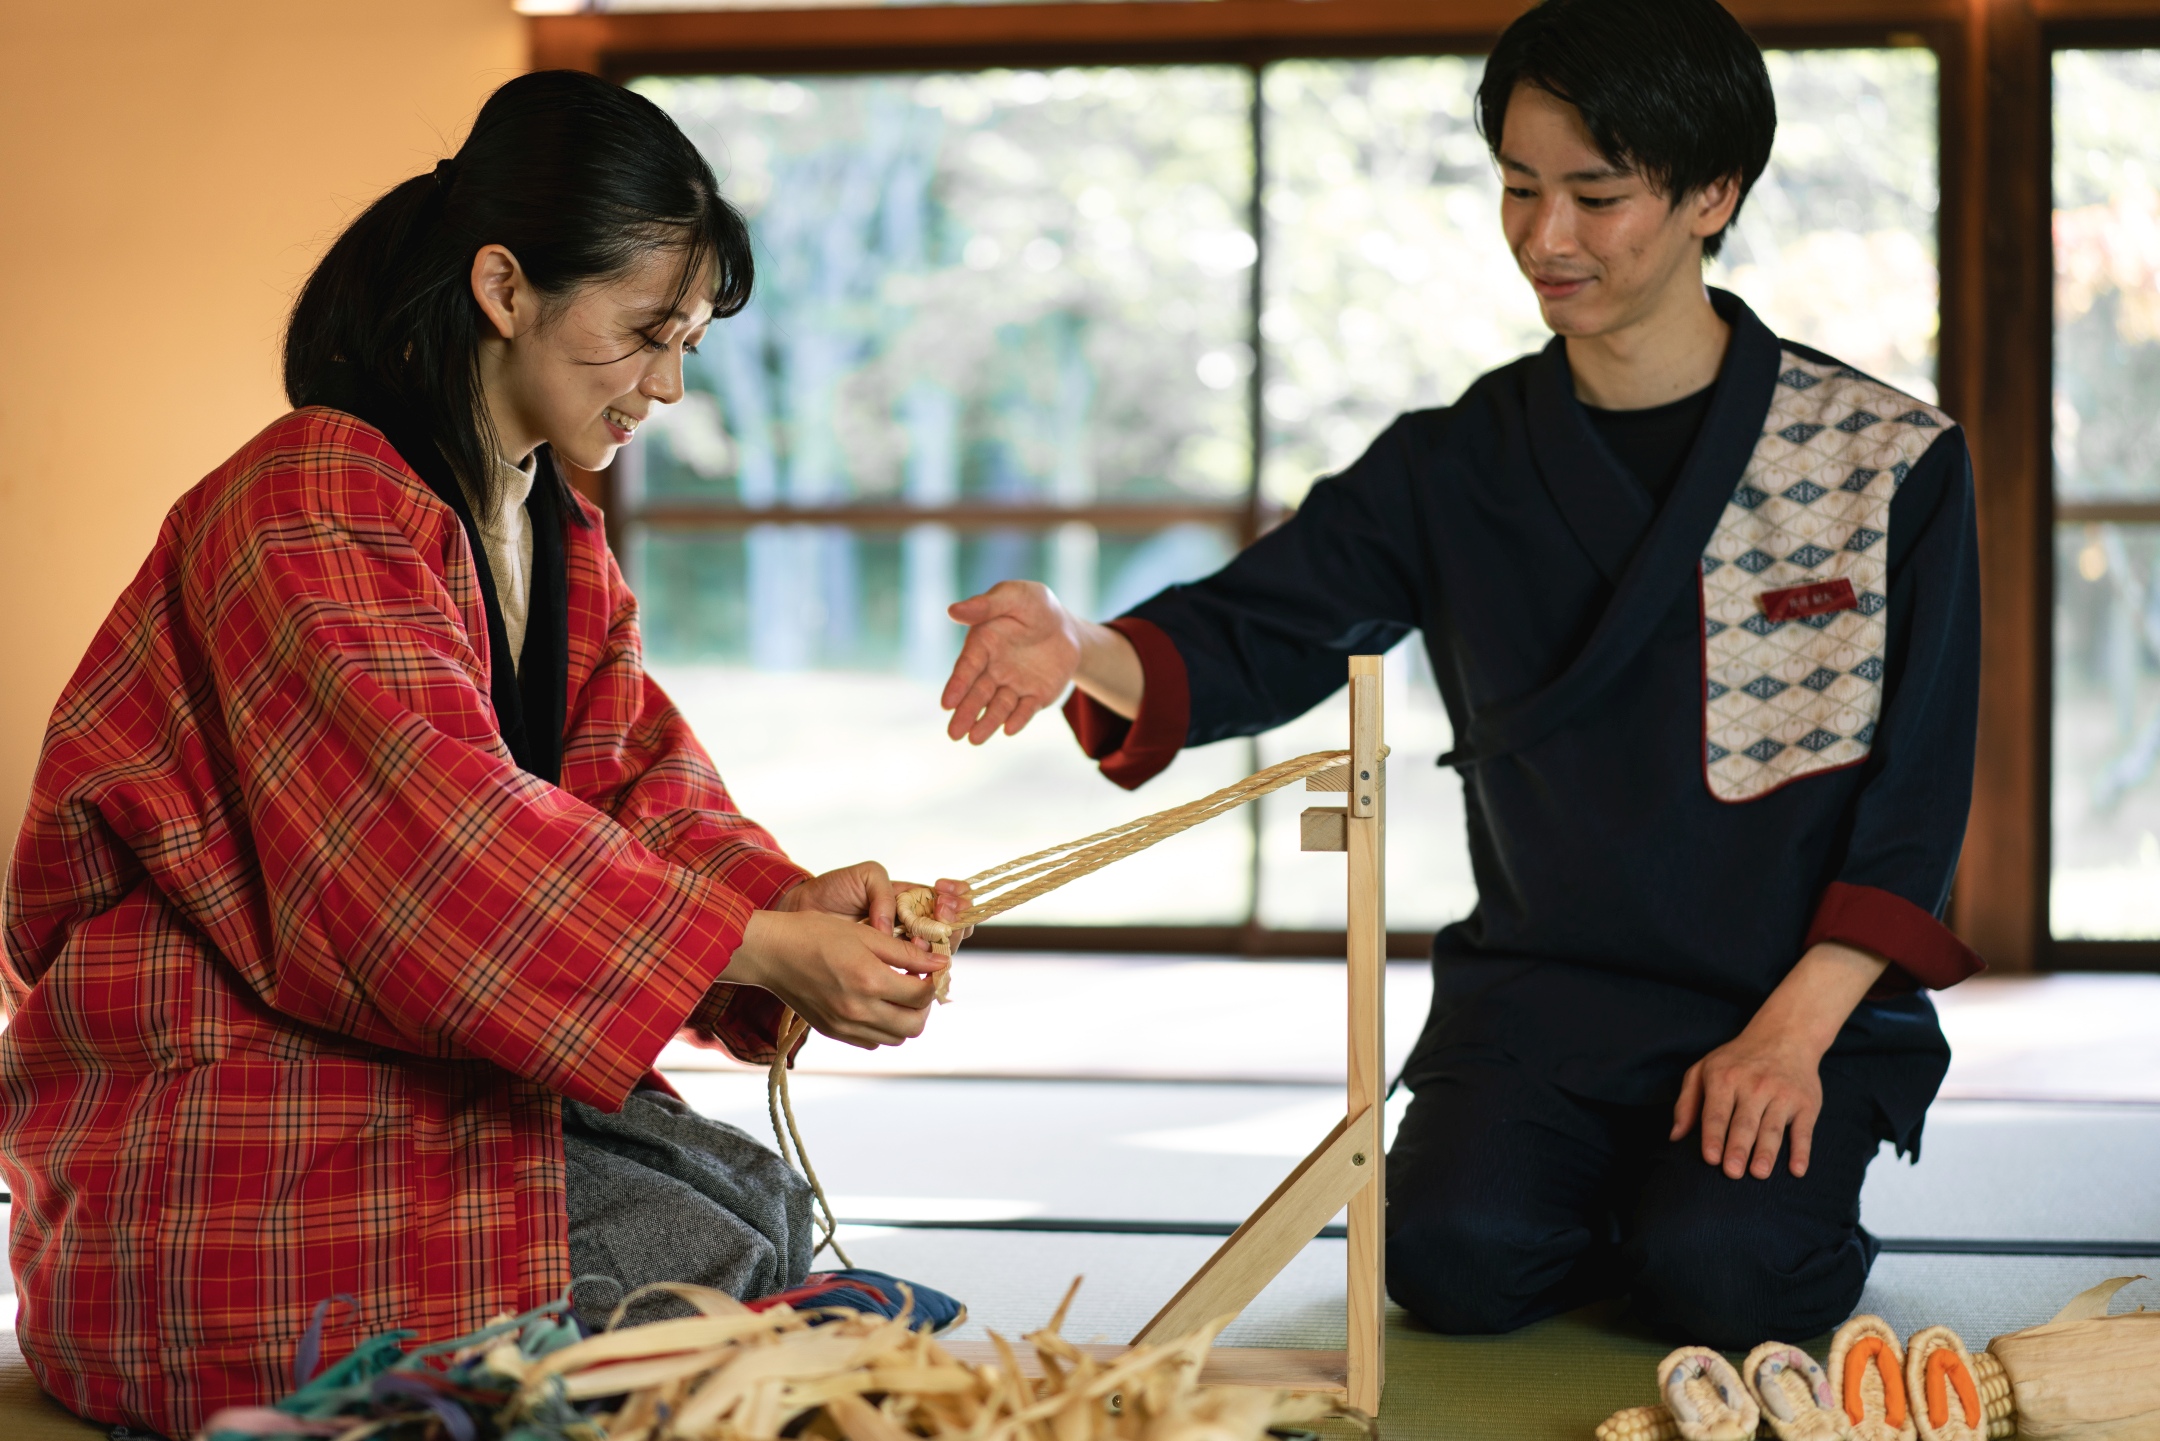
(1603, 505)
(1650, 559)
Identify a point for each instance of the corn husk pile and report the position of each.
(733, 1374)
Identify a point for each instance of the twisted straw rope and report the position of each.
(1015, 883)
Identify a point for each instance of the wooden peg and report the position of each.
(1324, 828)
(1334, 778)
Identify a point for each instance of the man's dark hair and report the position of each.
(1672, 90)
(579, 179)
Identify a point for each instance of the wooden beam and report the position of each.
(903, 38)
(1339, 1167)
(2121, 512)
(2070, 12)
(1133, 516)
(1246, 942)
(1996, 362)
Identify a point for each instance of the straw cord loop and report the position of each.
(1015, 883)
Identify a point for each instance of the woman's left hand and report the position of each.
(864, 892)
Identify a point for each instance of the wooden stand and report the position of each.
(1348, 1168)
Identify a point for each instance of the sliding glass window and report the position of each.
(1033, 324)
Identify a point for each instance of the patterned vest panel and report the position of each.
(1795, 585)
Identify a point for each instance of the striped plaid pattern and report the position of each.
(299, 960)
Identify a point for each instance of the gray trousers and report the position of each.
(660, 1193)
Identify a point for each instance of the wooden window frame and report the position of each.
(1994, 346)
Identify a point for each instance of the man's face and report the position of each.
(1601, 248)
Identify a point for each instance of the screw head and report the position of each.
(1357, 1158)
(1364, 775)
(1364, 800)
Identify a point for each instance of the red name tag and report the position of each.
(1798, 602)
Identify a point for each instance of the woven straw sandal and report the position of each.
(1794, 1393)
(1939, 1382)
(1867, 1372)
(1705, 1395)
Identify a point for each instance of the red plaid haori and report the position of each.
(300, 963)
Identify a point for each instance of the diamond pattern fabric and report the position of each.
(1786, 699)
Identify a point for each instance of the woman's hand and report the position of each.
(864, 892)
(848, 980)
(1765, 1084)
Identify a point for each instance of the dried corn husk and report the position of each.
(1706, 1397)
(1940, 1387)
(2085, 1374)
(734, 1375)
(858, 1378)
(1794, 1394)
(1867, 1376)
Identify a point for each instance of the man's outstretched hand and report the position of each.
(1023, 649)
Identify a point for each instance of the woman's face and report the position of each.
(583, 373)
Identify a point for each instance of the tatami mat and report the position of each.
(1012, 1282)
(1159, 1092)
(929, 1150)
(26, 1413)
(2035, 1038)
(1550, 1382)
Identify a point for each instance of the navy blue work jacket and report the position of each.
(1628, 919)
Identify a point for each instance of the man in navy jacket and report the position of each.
(1703, 609)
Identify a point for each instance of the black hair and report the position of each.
(575, 177)
(1672, 90)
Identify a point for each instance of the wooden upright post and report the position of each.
(1367, 1078)
(1348, 1168)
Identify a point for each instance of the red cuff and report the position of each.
(1925, 950)
(1137, 750)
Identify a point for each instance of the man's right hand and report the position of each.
(1023, 649)
(848, 980)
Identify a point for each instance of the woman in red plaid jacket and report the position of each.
(367, 871)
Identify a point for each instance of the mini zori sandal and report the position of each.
(1939, 1380)
(1705, 1395)
(1867, 1370)
(1794, 1394)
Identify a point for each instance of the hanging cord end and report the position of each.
(780, 1105)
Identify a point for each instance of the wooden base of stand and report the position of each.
(1318, 1373)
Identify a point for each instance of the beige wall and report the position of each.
(168, 173)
